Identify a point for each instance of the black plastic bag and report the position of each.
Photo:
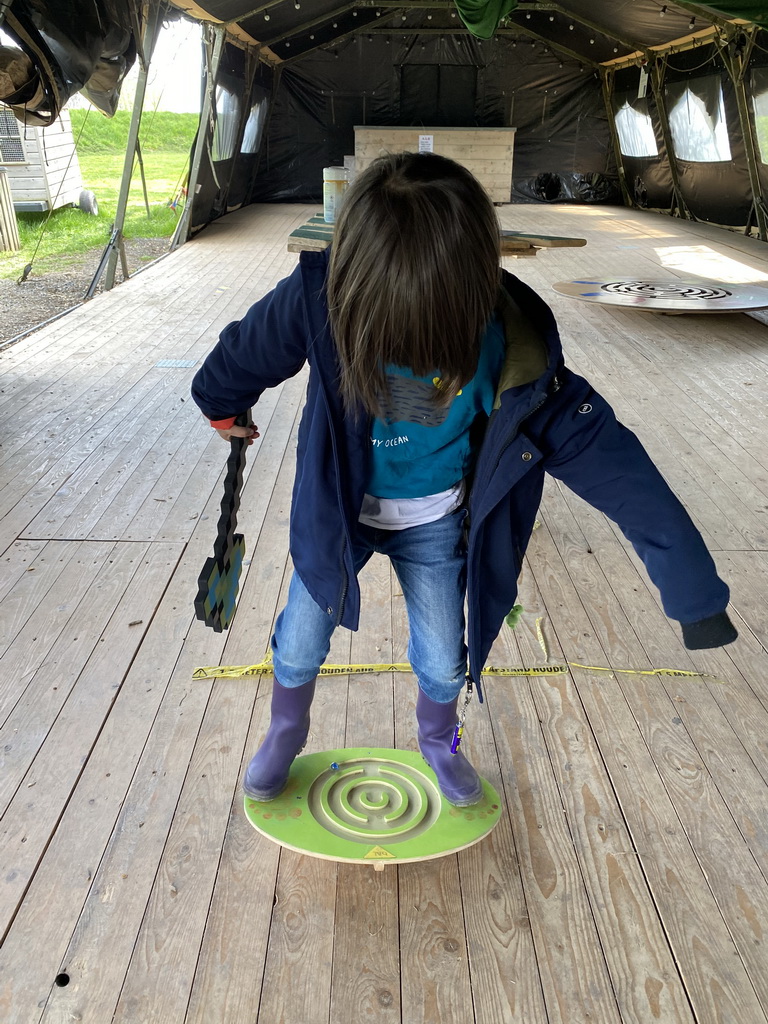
(568, 187)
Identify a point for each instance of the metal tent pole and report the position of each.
(214, 48)
(608, 90)
(115, 245)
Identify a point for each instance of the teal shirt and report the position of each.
(421, 448)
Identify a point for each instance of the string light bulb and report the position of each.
(692, 23)
(663, 11)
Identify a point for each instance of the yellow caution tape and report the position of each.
(533, 670)
(267, 668)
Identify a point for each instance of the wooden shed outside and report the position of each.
(42, 166)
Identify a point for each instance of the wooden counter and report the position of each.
(486, 152)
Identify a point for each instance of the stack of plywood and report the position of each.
(486, 152)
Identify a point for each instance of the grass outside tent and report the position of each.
(165, 139)
(761, 128)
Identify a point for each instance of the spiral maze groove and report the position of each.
(665, 291)
(372, 800)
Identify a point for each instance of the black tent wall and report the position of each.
(556, 107)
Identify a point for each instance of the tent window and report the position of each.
(699, 131)
(227, 121)
(254, 127)
(760, 109)
(11, 147)
(636, 135)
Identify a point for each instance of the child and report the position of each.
(437, 398)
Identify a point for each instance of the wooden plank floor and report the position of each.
(627, 881)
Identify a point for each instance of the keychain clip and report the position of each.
(458, 731)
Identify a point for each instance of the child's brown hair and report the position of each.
(414, 275)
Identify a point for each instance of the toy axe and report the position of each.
(219, 581)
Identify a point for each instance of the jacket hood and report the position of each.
(534, 350)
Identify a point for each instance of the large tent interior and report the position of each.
(627, 877)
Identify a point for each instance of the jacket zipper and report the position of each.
(508, 442)
(516, 429)
(344, 586)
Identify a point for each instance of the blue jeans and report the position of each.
(431, 565)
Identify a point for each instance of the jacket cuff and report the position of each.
(224, 424)
(715, 631)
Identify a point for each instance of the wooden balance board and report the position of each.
(369, 805)
(668, 296)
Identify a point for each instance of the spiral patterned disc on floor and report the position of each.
(370, 804)
(668, 296)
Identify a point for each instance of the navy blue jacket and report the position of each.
(546, 418)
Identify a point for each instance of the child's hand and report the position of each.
(250, 432)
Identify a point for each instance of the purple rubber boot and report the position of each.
(459, 782)
(267, 774)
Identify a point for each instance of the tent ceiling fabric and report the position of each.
(595, 30)
(88, 45)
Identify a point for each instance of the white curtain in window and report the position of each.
(254, 127)
(636, 136)
(698, 134)
(227, 120)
